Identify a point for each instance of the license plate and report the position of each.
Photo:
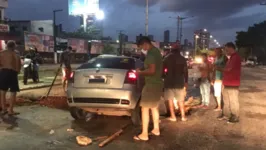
(97, 79)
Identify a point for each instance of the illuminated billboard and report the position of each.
(81, 7)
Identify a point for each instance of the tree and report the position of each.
(252, 41)
(108, 49)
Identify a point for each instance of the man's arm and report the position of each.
(186, 72)
(151, 67)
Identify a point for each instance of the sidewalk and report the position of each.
(47, 73)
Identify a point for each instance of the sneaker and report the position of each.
(233, 120)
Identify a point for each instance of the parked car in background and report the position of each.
(251, 62)
(106, 85)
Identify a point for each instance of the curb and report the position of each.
(38, 87)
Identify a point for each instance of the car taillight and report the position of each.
(72, 75)
(131, 77)
(165, 70)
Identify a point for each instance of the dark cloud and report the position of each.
(207, 9)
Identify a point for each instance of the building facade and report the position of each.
(3, 6)
(166, 36)
(38, 26)
(202, 39)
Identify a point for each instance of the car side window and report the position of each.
(139, 64)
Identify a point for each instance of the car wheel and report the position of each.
(136, 116)
(77, 113)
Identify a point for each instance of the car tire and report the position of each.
(77, 113)
(136, 116)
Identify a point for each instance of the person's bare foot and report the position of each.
(184, 119)
(155, 132)
(218, 109)
(141, 137)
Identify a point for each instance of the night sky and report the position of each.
(221, 17)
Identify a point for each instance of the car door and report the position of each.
(140, 82)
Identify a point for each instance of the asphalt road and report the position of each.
(31, 130)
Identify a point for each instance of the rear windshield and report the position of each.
(113, 63)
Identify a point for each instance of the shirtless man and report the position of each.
(205, 84)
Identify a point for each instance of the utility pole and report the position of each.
(55, 34)
(147, 18)
(179, 30)
(121, 52)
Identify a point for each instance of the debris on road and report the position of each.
(59, 102)
(113, 136)
(51, 132)
(100, 138)
(70, 130)
(83, 140)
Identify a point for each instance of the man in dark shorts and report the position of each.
(10, 66)
(152, 91)
(66, 70)
(175, 81)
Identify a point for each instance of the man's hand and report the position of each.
(186, 86)
(138, 71)
(212, 82)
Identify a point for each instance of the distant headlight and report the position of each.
(198, 60)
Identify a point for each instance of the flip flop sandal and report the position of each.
(137, 138)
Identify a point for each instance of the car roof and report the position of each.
(113, 56)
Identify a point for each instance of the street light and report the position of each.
(54, 32)
(215, 40)
(117, 41)
(205, 30)
(100, 15)
(211, 36)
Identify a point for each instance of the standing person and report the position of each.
(175, 81)
(152, 90)
(205, 85)
(10, 66)
(30, 63)
(220, 61)
(66, 61)
(231, 83)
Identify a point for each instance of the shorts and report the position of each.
(217, 88)
(9, 80)
(66, 73)
(151, 96)
(178, 94)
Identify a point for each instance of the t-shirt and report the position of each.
(154, 57)
(220, 62)
(177, 71)
(232, 71)
(66, 59)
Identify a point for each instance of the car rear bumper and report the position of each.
(122, 99)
